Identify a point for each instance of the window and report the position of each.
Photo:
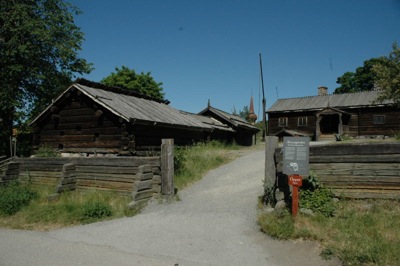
(379, 119)
(302, 121)
(283, 122)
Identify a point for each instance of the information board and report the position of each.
(295, 156)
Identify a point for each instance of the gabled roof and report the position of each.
(210, 121)
(133, 107)
(231, 119)
(312, 103)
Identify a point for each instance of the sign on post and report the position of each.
(295, 164)
(295, 155)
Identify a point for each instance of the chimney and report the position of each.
(322, 91)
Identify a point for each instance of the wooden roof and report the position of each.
(137, 108)
(311, 103)
(231, 119)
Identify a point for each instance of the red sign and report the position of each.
(295, 180)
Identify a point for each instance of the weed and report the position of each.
(47, 152)
(13, 197)
(94, 210)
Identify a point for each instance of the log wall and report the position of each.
(368, 170)
(116, 174)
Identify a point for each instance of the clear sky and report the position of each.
(209, 49)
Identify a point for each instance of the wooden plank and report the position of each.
(167, 167)
(388, 158)
(105, 177)
(132, 170)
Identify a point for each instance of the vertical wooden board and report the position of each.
(167, 167)
(271, 143)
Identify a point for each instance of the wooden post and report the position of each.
(295, 181)
(271, 143)
(167, 167)
(295, 200)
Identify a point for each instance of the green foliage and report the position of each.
(363, 79)
(94, 210)
(13, 197)
(179, 158)
(277, 225)
(362, 232)
(128, 79)
(319, 200)
(39, 57)
(388, 75)
(315, 197)
(194, 161)
(47, 152)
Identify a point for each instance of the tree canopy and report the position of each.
(382, 73)
(128, 79)
(388, 76)
(39, 44)
(363, 79)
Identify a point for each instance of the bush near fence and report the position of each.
(355, 170)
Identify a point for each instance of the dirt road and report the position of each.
(214, 223)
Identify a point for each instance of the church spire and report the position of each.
(252, 117)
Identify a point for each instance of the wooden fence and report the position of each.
(367, 170)
(141, 176)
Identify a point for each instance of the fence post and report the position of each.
(167, 167)
(271, 143)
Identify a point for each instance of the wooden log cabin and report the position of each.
(245, 131)
(92, 119)
(324, 116)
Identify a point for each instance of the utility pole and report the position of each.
(263, 103)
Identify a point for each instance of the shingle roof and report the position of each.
(346, 100)
(235, 120)
(141, 109)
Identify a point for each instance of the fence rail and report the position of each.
(368, 170)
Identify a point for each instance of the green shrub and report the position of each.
(315, 197)
(47, 152)
(13, 197)
(179, 158)
(319, 200)
(93, 210)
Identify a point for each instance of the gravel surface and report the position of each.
(213, 223)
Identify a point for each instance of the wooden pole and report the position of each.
(167, 167)
(263, 103)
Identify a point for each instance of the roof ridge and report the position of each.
(332, 94)
(118, 90)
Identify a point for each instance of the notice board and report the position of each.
(296, 156)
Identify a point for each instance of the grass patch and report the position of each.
(360, 233)
(70, 208)
(192, 162)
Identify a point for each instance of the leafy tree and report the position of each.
(39, 45)
(363, 79)
(387, 73)
(244, 113)
(128, 79)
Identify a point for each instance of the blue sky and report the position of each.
(209, 49)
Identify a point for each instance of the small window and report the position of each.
(60, 146)
(283, 122)
(379, 119)
(302, 121)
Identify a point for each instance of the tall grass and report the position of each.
(192, 162)
(360, 233)
(77, 207)
(70, 208)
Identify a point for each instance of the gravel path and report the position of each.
(214, 223)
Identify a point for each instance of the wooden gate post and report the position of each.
(271, 144)
(167, 167)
